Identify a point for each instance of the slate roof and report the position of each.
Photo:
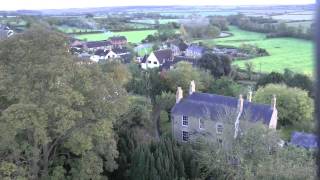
(163, 55)
(144, 59)
(204, 105)
(196, 48)
(178, 59)
(305, 140)
(95, 44)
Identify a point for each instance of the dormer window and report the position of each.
(185, 121)
(219, 128)
(201, 124)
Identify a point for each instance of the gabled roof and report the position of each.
(144, 59)
(163, 55)
(305, 140)
(211, 105)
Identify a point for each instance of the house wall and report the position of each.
(209, 132)
(274, 120)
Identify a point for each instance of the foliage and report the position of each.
(166, 31)
(290, 78)
(117, 71)
(272, 78)
(226, 86)
(197, 30)
(218, 65)
(59, 114)
(294, 105)
(183, 74)
(255, 155)
(162, 160)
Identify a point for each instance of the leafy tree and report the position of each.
(218, 65)
(226, 86)
(294, 105)
(272, 78)
(250, 69)
(301, 81)
(166, 31)
(183, 74)
(59, 114)
(117, 71)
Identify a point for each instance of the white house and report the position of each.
(157, 58)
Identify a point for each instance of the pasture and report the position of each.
(132, 36)
(294, 54)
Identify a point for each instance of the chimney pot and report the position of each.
(240, 103)
(192, 87)
(249, 96)
(179, 95)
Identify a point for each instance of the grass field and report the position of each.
(294, 54)
(132, 36)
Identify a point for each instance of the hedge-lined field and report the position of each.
(294, 54)
(132, 36)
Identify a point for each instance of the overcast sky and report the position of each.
(61, 4)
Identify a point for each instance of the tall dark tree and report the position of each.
(218, 65)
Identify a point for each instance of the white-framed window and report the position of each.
(185, 135)
(201, 123)
(219, 128)
(149, 62)
(155, 62)
(185, 121)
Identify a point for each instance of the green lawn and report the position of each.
(132, 36)
(294, 54)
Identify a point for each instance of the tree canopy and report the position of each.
(57, 118)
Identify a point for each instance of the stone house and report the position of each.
(216, 117)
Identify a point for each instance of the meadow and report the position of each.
(132, 36)
(294, 54)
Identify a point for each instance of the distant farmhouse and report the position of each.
(156, 59)
(95, 51)
(5, 32)
(206, 115)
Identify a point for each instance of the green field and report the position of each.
(294, 54)
(132, 36)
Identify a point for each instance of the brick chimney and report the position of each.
(249, 96)
(240, 103)
(274, 102)
(179, 95)
(192, 87)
